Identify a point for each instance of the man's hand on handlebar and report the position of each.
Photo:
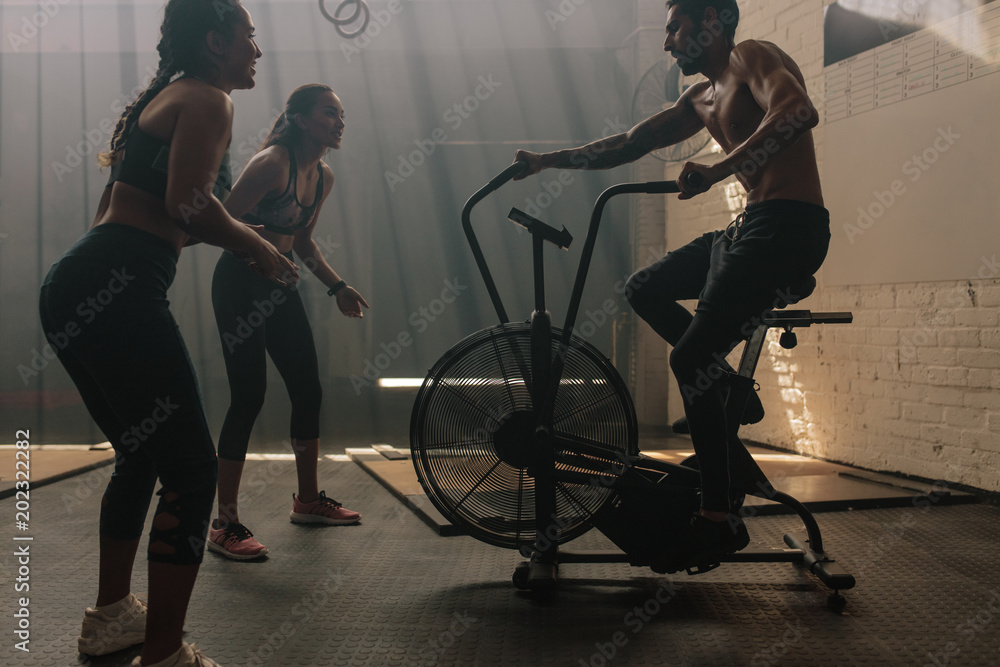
(535, 163)
(695, 179)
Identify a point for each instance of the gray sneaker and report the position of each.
(187, 656)
(103, 634)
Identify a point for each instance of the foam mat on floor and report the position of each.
(820, 485)
(45, 464)
(389, 592)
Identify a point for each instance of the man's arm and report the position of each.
(666, 128)
(788, 111)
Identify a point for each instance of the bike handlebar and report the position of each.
(693, 179)
(651, 187)
(500, 179)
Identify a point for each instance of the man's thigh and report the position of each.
(746, 279)
(680, 274)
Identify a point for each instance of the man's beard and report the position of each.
(691, 65)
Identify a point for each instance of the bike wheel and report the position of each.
(471, 435)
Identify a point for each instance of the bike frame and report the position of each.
(807, 548)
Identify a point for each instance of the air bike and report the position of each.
(525, 436)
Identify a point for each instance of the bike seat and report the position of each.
(795, 292)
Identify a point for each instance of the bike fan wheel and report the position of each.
(472, 426)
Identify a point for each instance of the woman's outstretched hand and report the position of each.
(349, 300)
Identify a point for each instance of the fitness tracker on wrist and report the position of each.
(336, 288)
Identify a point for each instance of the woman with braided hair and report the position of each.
(169, 161)
(282, 190)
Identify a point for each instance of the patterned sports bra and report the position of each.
(284, 214)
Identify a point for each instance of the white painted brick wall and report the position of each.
(912, 386)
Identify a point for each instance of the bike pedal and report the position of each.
(702, 568)
(663, 567)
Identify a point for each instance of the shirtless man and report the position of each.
(755, 106)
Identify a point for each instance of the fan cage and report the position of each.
(470, 436)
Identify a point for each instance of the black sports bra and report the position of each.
(284, 214)
(144, 165)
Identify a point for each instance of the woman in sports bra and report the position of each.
(129, 361)
(281, 190)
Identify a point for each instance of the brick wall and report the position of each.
(912, 386)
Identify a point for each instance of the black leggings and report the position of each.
(736, 275)
(254, 316)
(104, 310)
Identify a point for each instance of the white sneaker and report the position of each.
(186, 656)
(103, 634)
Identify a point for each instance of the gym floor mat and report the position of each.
(820, 485)
(50, 463)
(390, 592)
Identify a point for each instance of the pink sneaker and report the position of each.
(324, 510)
(234, 541)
